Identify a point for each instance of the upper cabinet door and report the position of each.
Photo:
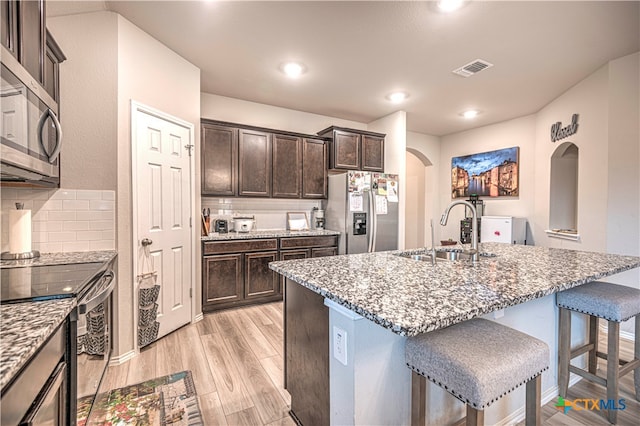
(346, 150)
(32, 37)
(314, 169)
(287, 166)
(219, 160)
(254, 159)
(372, 153)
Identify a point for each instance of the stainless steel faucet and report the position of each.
(474, 225)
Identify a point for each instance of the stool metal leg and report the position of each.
(474, 417)
(418, 399)
(613, 367)
(564, 351)
(593, 340)
(534, 394)
(636, 353)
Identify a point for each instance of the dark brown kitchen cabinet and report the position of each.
(314, 168)
(287, 161)
(219, 160)
(260, 281)
(254, 163)
(236, 273)
(351, 149)
(222, 279)
(372, 153)
(306, 247)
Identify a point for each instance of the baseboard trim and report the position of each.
(548, 395)
(198, 317)
(626, 335)
(117, 360)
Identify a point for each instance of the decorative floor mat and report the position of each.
(165, 401)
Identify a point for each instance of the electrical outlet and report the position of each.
(340, 345)
(498, 314)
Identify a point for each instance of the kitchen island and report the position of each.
(372, 301)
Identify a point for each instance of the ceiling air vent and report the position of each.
(472, 68)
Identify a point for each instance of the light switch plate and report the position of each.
(340, 345)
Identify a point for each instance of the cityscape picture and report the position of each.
(491, 174)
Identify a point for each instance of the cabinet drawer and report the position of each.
(239, 246)
(300, 242)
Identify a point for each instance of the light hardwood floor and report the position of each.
(236, 357)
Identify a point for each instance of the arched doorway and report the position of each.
(563, 201)
(416, 228)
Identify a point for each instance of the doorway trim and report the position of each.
(140, 107)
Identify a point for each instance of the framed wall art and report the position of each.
(488, 174)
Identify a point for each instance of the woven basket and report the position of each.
(148, 334)
(147, 315)
(148, 296)
(95, 322)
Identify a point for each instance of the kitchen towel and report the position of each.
(19, 231)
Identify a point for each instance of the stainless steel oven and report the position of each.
(30, 132)
(94, 328)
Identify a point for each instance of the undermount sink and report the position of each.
(451, 254)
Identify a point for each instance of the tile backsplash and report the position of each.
(269, 213)
(63, 220)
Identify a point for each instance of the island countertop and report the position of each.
(411, 297)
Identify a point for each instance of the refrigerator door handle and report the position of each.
(374, 222)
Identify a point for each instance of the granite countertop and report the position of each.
(25, 327)
(411, 297)
(46, 259)
(267, 233)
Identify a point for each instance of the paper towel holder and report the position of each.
(19, 256)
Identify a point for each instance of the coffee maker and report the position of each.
(317, 218)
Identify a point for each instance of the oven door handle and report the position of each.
(102, 295)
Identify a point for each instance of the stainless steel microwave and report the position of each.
(30, 132)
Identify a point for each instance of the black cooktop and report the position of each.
(47, 282)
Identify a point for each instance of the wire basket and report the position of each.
(148, 334)
(148, 296)
(147, 315)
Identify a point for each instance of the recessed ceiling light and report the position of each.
(397, 97)
(472, 113)
(293, 69)
(450, 5)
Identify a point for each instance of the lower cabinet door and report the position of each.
(291, 255)
(222, 279)
(260, 281)
(324, 251)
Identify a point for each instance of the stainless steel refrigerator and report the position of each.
(363, 206)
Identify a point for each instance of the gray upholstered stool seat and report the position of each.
(614, 303)
(477, 361)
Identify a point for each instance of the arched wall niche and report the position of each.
(563, 193)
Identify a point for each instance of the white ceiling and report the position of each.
(358, 52)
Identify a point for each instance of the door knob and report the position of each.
(146, 242)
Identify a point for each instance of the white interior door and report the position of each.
(162, 203)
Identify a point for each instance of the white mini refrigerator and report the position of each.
(503, 229)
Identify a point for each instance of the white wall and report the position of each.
(415, 193)
(428, 147)
(154, 75)
(588, 99)
(395, 145)
(237, 111)
(88, 110)
(517, 132)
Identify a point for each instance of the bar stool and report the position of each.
(477, 361)
(614, 303)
